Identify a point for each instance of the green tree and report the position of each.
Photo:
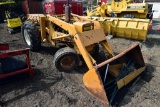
(6, 0)
(94, 2)
(85, 2)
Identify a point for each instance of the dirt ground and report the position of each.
(50, 88)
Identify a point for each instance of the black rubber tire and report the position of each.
(34, 35)
(11, 64)
(64, 52)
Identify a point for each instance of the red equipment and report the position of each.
(48, 8)
(10, 54)
(58, 7)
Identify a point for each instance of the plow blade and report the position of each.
(105, 79)
(124, 27)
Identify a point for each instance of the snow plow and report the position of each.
(124, 27)
(83, 37)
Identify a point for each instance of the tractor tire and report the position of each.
(11, 64)
(31, 35)
(66, 59)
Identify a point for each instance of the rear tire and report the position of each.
(30, 33)
(66, 59)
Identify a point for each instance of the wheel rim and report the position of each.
(27, 37)
(68, 62)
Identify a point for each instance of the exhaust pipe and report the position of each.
(67, 11)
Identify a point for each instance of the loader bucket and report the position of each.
(105, 79)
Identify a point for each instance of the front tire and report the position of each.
(66, 59)
(30, 33)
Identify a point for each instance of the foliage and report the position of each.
(84, 1)
(11, 7)
(6, 0)
(94, 2)
(17, 1)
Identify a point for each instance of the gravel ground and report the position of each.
(50, 88)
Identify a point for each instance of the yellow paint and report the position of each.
(125, 27)
(139, 10)
(13, 23)
(43, 27)
(83, 34)
(127, 79)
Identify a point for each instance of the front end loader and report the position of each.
(83, 37)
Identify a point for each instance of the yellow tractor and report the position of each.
(14, 22)
(121, 8)
(83, 37)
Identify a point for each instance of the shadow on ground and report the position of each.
(31, 86)
(150, 42)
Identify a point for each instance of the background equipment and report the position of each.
(122, 8)
(14, 21)
(11, 66)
